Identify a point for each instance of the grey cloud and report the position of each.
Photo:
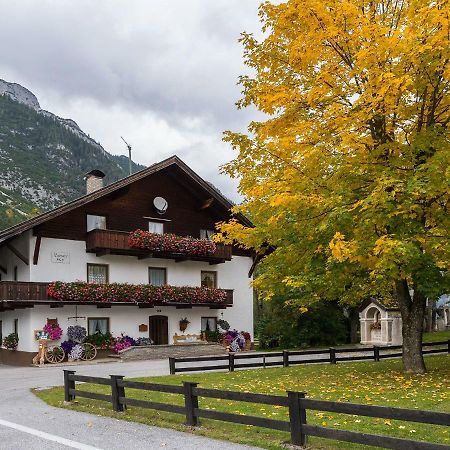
(165, 72)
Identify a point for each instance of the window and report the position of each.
(98, 325)
(206, 234)
(156, 227)
(97, 273)
(15, 273)
(16, 326)
(209, 323)
(208, 278)
(95, 222)
(157, 276)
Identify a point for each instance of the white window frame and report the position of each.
(99, 222)
(155, 227)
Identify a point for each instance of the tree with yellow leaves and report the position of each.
(348, 176)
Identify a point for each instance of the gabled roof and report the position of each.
(392, 305)
(173, 160)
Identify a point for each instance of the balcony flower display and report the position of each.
(134, 293)
(171, 243)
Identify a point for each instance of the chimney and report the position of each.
(94, 180)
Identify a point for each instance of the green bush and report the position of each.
(100, 340)
(324, 324)
(11, 341)
(213, 336)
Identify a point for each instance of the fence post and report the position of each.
(297, 417)
(172, 366)
(376, 353)
(231, 362)
(332, 355)
(68, 384)
(190, 403)
(117, 392)
(285, 358)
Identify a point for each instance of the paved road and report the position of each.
(28, 423)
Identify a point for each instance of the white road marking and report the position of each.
(47, 436)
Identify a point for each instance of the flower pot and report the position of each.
(183, 326)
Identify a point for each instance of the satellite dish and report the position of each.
(160, 205)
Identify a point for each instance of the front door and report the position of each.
(158, 328)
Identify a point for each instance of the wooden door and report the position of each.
(158, 328)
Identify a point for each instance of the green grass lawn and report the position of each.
(372, 383)
(436, 336)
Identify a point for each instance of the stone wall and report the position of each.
(172, 351)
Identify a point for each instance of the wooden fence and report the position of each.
(295, 402)
(286, 358)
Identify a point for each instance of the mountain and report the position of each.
(43, 157)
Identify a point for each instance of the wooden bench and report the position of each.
(188, 339)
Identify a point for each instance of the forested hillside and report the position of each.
(43, 159)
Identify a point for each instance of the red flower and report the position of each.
(130, 293)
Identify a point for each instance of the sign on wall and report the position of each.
(60, 257)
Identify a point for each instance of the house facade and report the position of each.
(88, 241)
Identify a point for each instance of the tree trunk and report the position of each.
(412, 310)
(429, 316)
(354, 325)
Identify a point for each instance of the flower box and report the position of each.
(135, 293)
(171, 243)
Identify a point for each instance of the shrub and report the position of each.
(99, 340)
(11, 341)
(213, 336)
(283, 326)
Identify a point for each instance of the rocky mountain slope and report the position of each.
(43, 157)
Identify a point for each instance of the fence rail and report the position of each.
(285, 358)
(295, 402)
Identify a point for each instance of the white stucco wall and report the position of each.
(9, 260)
(124, 269)
(122, 320)
(24, 327)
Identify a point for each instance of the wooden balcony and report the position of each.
(23, 290)
(25, 294)
(111, 242)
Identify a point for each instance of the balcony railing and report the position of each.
(103, 242)
(21, 293)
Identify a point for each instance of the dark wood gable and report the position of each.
(190, 208)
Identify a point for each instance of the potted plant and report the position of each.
(11, 341)
(53, 330)
(183, 324)
(375, 326)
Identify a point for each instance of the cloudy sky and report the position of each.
(162, 73)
